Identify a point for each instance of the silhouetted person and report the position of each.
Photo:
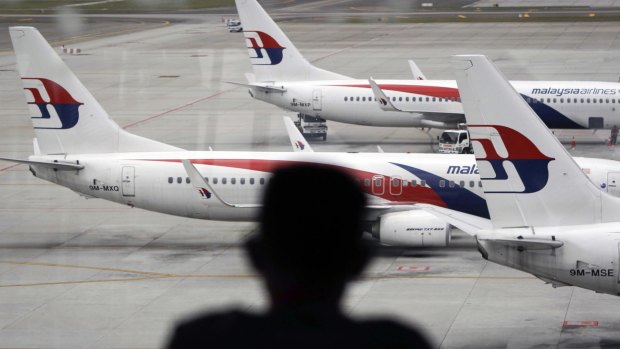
(308, 247)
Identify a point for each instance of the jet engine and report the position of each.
(414, 228)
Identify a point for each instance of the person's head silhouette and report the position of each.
(307, 248)
(309, 244)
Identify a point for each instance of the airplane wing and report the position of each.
(54, 164)
(205, 190)
(260, 87)
(468, 223)
(415, 71)
(386, 104)
(298, 141)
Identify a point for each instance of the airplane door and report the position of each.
(396, 185)
(316, 100)
(378, 185)
(613, 183)
(618, 272)
(128, 179)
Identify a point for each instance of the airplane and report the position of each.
(546, 217)
(77, 145)
(283, 77)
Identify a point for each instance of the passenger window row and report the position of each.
(222, 180)
(404, 99)
(457, 99)
(405, 183)
(452, 184)
(365, 182)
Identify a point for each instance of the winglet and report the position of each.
(298, 141)
(415, 71)
(384, 101)
(205, 190)
(264, 87)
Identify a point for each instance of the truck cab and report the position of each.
(455, 142)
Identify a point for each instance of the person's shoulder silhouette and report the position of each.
(307, 248)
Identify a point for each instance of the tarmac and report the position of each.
(78, 273)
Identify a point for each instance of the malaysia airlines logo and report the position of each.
(511, 163)
(299, 145)
(262, 48)
(51, 106)
(204, 193)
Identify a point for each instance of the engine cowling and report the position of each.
(415, 228)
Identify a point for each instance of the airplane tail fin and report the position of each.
(529, 178)
(65, 116)
(299, 143)
(272, 55)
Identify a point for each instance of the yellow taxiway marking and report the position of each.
(147, 275)
(72, 266)
(77, 282)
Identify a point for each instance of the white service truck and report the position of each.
(455, 142)
(311, 126)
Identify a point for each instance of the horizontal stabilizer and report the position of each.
(260, 87)
(527, 244)
(206, 190)
(299, 143)
(54, 164)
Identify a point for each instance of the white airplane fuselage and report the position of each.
(560, 104)
(157, 181)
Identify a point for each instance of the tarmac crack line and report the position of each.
(471, 290)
